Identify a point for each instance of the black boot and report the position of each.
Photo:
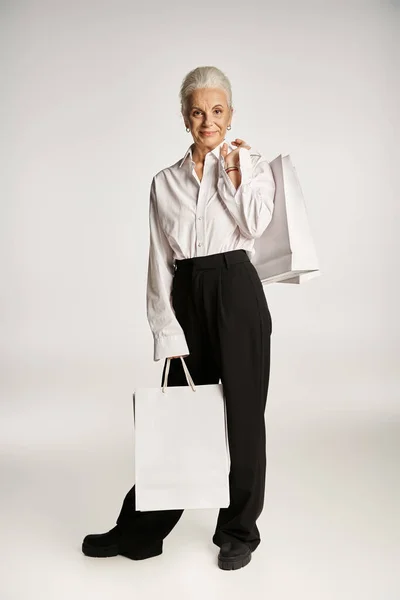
(234, 555)
(113, 543)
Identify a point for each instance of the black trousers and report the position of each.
(220, 303)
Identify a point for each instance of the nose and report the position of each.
(207, 120)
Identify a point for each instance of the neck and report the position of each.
(199, 153)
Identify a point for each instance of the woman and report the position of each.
(206, 302)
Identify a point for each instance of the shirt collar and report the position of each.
(215, 151)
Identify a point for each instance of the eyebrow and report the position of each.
(202, 109)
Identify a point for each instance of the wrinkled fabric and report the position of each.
(220, 302)
(189, 217)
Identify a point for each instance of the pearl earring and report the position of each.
(187, 129)
(229, 127)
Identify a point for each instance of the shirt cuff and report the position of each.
(246, 168)
(170, 345)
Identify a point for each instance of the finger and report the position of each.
(241, 143)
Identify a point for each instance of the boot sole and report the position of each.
(113, 550)
(235, 562)
(101, 551)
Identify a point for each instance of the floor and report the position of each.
(330, 525)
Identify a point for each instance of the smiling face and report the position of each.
(208, 117)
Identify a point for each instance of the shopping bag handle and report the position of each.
(188, 376)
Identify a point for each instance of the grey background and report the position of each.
(90, 113)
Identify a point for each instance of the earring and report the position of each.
(187, 129)
(229, 127)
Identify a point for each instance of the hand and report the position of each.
(232, 159)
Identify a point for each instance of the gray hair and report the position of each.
(203, 77)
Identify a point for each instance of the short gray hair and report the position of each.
(204, 77)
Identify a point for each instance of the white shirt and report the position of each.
(189, 217)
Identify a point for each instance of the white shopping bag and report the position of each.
(285, 252)
(181, 446)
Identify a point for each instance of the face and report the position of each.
(208, 111)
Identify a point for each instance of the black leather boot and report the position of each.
(112, 543)
(233, 555)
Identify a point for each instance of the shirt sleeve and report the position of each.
(252, 203)
(169, 337)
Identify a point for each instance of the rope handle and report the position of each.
(185, 368)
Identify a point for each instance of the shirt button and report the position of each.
(199, 244)
(200, 218)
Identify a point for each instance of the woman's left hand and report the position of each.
(232, 159)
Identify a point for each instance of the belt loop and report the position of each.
(226, 261)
